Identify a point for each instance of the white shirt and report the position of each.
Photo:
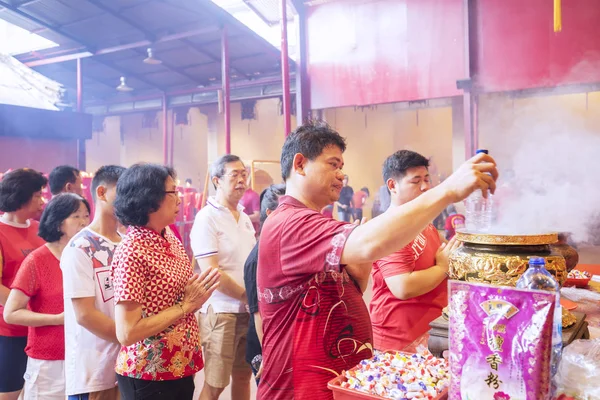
(216, 232)
(89, 360)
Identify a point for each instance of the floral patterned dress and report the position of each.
(153, 269)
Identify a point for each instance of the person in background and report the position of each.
(65, 179)
(189, 201)
(36, 298)
(409, 285)
(156, 292)
(454, 222)
(251, 203)
(327, 211)
(312, 270)
(269, 200)
(359, 199)
(345, 203)
(21, 202)
(175, 231)
(222, 238)
(382, 201)
(91, 345)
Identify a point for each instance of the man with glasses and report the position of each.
(222, 237)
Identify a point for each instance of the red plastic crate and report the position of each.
(580, 283)
(340, 393)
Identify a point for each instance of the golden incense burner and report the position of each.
(502, 259)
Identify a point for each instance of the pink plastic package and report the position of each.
(500, 342)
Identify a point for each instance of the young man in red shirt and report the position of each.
(410, 285)
(312, 270)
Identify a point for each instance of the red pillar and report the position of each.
(225, 85)
(303, 111)
(285, 70)
(165, 130)
(172, 138)
(80, 142)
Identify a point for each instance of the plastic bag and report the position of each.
(500, 342)
(579, 370)
(575, 294)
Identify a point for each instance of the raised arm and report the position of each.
(399, 225)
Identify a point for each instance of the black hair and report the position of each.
(396, 165)
(57, 210)
(140, 192)
(310, 140)
(269, 199)
(217, 169)
(366, 190)
(188, 180)
(60, 176)
(18, 187)
(106, 175)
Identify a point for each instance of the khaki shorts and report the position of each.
(223, 339)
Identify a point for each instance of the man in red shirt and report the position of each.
(312, 270)
(409, 286)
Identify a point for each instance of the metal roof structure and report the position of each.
(21, 86)
(111, 38)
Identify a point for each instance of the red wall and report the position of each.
(518, 49)
(39, 154)
(364, 52)
(379, 51)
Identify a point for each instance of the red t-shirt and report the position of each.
(15, 245)
(315, 321)
(189, 203)
(397, 323)
(175, 231)
(358, 199)
(40, 278)
(251, 202)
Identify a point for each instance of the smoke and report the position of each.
(548, 153)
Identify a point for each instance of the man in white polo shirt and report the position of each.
(222, 237)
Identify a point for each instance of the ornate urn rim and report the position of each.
(514, 240)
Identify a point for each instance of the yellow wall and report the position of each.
(196, 144)
(375, 133)
(258, 139)
(104, 147)
(145, 144)
(372, 135)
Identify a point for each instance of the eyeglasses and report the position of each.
(236, 175)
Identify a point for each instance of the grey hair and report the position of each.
(217, 169)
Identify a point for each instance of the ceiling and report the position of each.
(111, 37)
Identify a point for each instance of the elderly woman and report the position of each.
(156, 291)
(21, 202)
(36, 298)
